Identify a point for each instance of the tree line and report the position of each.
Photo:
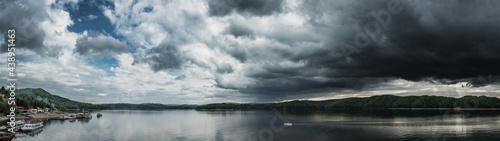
(36, 97)
(20, 101)
(374, 102)
(56, 101)
(143, 106)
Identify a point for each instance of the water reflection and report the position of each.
(83, 120)
(258, 125)
(396, 125)
(31, 133)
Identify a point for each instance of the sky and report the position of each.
(252, 51)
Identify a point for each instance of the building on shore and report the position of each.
(33, 111)
(20, 109)
(39, 110)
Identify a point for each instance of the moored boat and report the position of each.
(71, 116)
(84, 115)
(19, 124)
(32, 125)
(6, 136)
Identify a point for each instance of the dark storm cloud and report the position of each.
(167, 55)
(224, 68)
(238, 30)
(275, 88)
(239, 54)
(148, 9)
(236, 50)
(25, 17)
(252, 7)
(277, 81)
(479, 81)
(163, 57)
(97, 45)
(442, 40)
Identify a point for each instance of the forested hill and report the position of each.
(144, 106)
(39, 94)
(374, 102)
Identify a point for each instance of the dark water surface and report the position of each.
(267, 125)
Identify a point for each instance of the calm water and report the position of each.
(266, 125)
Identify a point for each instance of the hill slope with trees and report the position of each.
(374, 102)
(38, 97)
(144, 106)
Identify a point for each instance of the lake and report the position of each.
(268, 125)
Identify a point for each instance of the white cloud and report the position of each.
(88, 18)
(212, 58)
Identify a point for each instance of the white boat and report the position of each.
(84, 115)
(288, 124)
(71, 116)
(32, 125)
(19, 124)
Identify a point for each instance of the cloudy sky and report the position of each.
(197, 51)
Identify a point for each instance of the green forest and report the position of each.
(144, 106)
(374, 102)
(20, 101)
(38, 97)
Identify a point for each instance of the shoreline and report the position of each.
(455, 109)
(35, 116)
(368, 109)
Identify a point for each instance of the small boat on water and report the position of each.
(84, 115)
(71, 116)
(99, 115)
(32, 125)
(287, 124)
(6, 136)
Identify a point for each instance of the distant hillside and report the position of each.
(374, 102)
(52, 100)
(144, 106)
(391, 101)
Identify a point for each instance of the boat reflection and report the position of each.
(32, 133)
(84, 120)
